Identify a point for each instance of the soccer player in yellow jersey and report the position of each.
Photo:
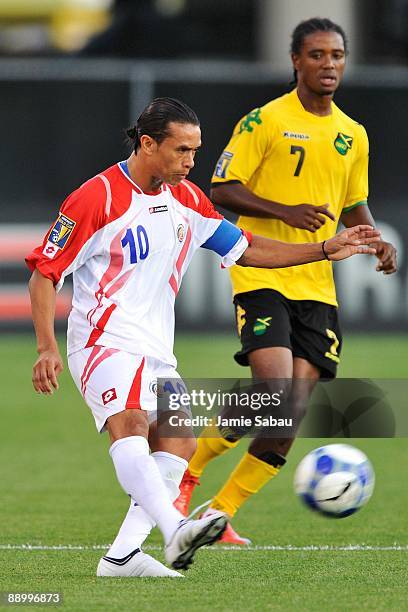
(292, 170)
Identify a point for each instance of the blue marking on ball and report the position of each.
(309, 501)
(348, 512)
(324, 464)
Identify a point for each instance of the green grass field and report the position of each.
(59, 489)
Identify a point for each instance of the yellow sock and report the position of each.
(209, 445)
(249, 476)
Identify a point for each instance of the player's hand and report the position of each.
(387, 257)
(352, 241)
(307, 216)
(46, 370)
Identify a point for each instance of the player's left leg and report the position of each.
(263, 325)
(316, 345)
(264, 458)
(137, 524)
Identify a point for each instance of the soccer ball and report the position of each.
(335, 480)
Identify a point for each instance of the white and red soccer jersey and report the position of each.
(128, 252)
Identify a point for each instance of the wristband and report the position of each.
(324, 252)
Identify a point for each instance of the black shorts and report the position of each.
(310, 329)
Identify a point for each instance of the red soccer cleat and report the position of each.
(187, 486)
(230, 536)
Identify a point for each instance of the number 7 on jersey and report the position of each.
(298, 149)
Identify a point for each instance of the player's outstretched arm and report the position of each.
(266, 253)
(49, 363)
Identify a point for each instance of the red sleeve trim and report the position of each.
(86, 209)
(248, 235)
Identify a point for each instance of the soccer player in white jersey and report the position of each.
(128, 235)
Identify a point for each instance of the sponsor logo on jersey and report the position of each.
(343, 143)
(108, 396)
(158, 209)
(261, 325)
(50, 250)
(223, 163)
(61, 231)
(180, 232)
(296, 135)
(247, 124)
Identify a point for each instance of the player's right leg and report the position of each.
(254, 325)
(140, 477)
(264, 327)
(258, 465)
(112, 382)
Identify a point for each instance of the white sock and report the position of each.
(140, 477)
(138, 524)
(172, 470)
(134, 530)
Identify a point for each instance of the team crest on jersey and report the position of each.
(156, 389)
(109, 395)
(59, 235)
(223, 163)
(343, 143)
(180, 232)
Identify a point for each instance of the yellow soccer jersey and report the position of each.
(283, 153)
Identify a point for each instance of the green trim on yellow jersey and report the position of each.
(285, 154)
(348, 208)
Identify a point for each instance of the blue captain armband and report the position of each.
(224, 238)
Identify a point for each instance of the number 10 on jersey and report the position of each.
(138, 245)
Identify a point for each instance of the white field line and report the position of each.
(267, 547)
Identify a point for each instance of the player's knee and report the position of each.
(299, 408)
(136, 423)
(128, 423)
(270, 450)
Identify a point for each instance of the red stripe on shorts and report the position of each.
(133, 399)
(91, 357)
(107, 353)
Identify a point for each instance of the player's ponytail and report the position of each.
(155, 119)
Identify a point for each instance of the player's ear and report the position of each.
(147, 144)
(295, 60)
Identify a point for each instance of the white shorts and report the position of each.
(111, 380)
